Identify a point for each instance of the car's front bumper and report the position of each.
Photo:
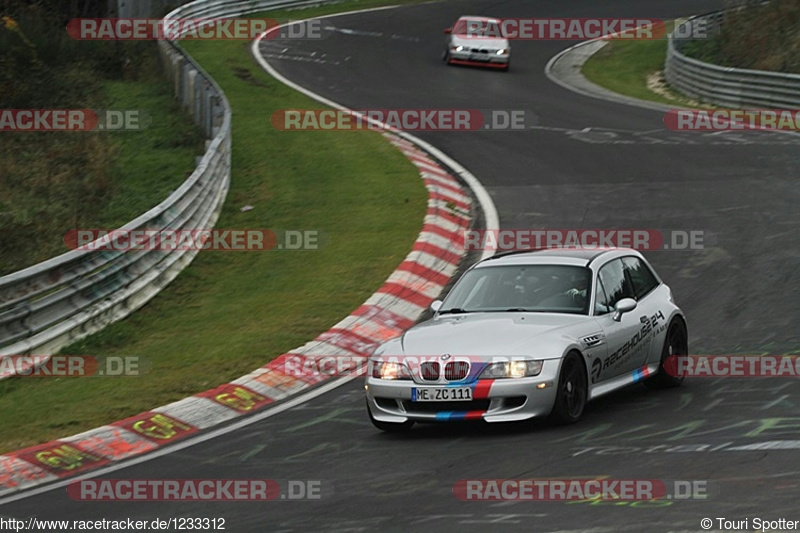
(494, 400)
(484, 60)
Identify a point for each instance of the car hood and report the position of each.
(479, 42)
(494, 334)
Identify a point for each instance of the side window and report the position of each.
(616, 285)
(601, 306)
(641, 276)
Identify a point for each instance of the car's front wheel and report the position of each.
(390, 427)
(676, 343)
(572, 390)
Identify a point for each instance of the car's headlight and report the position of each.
(390, 370)
(512, 369)
(502, 51)
(457, 48)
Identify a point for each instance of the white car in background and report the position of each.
(475, 41)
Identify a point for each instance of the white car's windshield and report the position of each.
(477, 29)
(540, 288)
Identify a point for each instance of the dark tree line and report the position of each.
(62, 9)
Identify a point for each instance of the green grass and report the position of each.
(229, 313)
(624, 66)
(54, 182)
(151, 163)
(760, 37)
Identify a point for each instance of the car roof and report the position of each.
(482, 19)
(556, 256)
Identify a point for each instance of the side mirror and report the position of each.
(623, 306)
(436, 305)
(448, 31)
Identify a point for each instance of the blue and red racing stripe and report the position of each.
(480, 391)
(446, 416)
(640, 373)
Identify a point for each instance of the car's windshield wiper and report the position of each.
(454, 310)
(516, 310)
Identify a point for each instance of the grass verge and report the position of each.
(53, 182)
(761, 36)
(625, 66)
(229, 313)
(152, 163)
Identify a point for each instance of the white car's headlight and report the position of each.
(502, 51)
(457, 48)
(390, 370)
(512, 369)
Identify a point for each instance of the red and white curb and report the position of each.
(393, 308)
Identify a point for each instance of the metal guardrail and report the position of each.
(48, 305)
(726, 87)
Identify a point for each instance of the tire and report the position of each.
(676, 343)
(573, 390)
(446, 57)
(390, 427)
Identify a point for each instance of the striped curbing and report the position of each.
(393, 308)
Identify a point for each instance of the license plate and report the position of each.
(441, 394)
(479, 57)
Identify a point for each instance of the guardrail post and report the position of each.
(197, 99)
(177, 66)
(189, 75)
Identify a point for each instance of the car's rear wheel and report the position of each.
(572, 390)
(676, 343)
(390, 427)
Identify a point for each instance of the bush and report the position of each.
(755, 36)
(55, 180)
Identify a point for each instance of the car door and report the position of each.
(623, 338)
(649, 309)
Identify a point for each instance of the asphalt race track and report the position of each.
(627, 170)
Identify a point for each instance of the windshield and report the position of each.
(540, 288)
(477, 29)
